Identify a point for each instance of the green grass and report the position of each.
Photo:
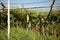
(22, 34)
(3, 34)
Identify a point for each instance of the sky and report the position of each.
(31, 5)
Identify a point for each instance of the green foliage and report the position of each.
(20, 15)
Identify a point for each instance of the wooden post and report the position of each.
(42, 28)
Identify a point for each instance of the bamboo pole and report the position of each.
(8, 19)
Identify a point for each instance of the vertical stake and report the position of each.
(8, 19)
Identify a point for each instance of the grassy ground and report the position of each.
(3, 34)
(22, 34)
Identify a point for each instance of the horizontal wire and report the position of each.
(57, 5)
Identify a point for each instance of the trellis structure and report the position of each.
(4, 7)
